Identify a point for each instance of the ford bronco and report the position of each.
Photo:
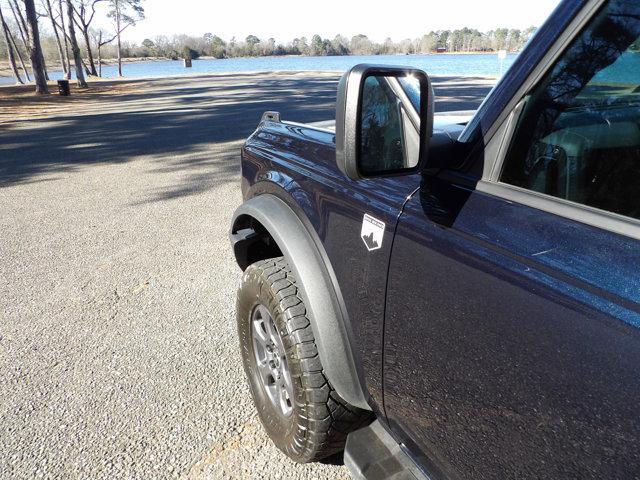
(455, 298)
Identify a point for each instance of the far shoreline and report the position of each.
(56, 67)
(8, 89)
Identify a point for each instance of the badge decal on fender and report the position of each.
(372, 232)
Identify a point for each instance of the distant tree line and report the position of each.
(96, 44)
(210, 45)
(69, 37)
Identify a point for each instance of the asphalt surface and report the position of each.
(118, 350)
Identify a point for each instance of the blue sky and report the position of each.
(286, 19)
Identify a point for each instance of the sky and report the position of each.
(287, 19)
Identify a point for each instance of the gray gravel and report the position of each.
(118, 351)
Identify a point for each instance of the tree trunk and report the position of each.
(84, 66)
(119, 57)
(22, 30)
(66, 45)
(44, 65)
(99, 45)
(25, 32)
(92, 65)
(15, 47)
(55, 32)
(74, 47)
(35, 50)
(12, 59)
(118, 31)
(22, 26)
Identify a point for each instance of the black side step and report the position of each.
(372, 454)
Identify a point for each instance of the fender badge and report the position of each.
(372, 232)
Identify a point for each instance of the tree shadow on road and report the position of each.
(189, 125)
(179, 128)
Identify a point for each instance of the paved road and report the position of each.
(117, 335)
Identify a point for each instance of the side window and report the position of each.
(381, 139)
(578, 137)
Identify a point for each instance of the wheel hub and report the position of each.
(271, 361)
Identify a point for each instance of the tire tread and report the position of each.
(329, 418)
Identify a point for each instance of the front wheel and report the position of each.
(297, 406)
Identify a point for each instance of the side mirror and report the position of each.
(384, 121)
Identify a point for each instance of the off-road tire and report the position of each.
(320, 421)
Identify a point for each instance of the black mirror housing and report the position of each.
(349, 120)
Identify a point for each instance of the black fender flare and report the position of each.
(317, 283)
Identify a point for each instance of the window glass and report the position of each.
(411, 86)
(381, 144)
(578, 137)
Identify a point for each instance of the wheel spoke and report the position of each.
(265, 371)
(279, 345)
(259, 331)
(271, 362)
(286, 377)
(283, 395)
(263, 312)
(271, 330)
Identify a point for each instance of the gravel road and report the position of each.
(118, 350)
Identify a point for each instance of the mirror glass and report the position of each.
(389, 124)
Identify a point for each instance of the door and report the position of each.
(512, 345)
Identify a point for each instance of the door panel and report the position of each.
(512, 347)
(361, 273)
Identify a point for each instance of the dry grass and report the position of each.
(20, 103)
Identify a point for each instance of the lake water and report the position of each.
(466, 65)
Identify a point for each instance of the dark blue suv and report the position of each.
(455, 298)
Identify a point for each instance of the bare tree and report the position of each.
(25, 34)
(35, 49)
(12, 58)
(17, 50)
(124, 13)
(67, 38)
(54, 25)
(85, 13)
(20, 21)
(74, 47)
(66, 44)
(97, 39)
